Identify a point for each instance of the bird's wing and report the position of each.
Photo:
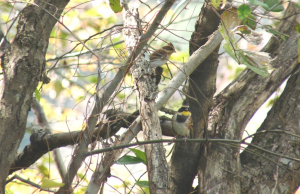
(157, 55)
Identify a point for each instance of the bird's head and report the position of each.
(169, 48)
(184, 111)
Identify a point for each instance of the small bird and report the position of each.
(161, 56)
(182, 122)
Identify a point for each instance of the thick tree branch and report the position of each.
(40, 146)
(234, 107)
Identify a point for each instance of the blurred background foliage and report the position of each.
(73, 72)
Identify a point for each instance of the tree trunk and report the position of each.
(202, 88)
(145, 83)
(23, 66)
(263, 172)
(219, 170)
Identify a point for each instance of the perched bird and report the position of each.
(182, 122)
(161, 56)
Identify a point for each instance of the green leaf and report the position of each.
(46, 183)
(260, 71)
(243, 11)
(296, 5)
(140, 154)
(298, 50)
(243, 60)
(274, 6)
(115, 5)
(43, 169)
(58, 87)
(142, 183)
(273, 31)
(259, 3)
(297, 27)
(93, 79)
(216, 3)
(83, 177)
(129, 160)
(37, 94)
(250, 21)
(80, 98)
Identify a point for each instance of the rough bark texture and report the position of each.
(202, 88)
(23, 65)
(145, 83)
(265, 173)
(219, 171)
(101, 173)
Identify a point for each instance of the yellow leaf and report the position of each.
(46, 183)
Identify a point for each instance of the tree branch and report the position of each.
(234, 107)
(43, 122)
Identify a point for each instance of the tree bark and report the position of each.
(201, 88)
(219, 170)
(266, 173)
(262, 172)
(145, 83)
(23, 64)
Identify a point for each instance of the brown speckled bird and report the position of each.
(162, 55)
(182, 122)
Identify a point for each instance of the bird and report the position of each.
(162, 55)
(182, 122)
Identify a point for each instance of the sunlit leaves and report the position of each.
(250, 21)
(298, 50)
(274, 6)
(259, 62)
(140, 154)
(140, 157)
(259, 3)
(273, 31)
(115, 5)
(43, 169)
(243, 11)
(216, 3)
(46, 183)
(127, 159)
(143, 184)
(58, 87)
(37, 94)
(268, 5)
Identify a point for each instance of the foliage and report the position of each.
(74, 71)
